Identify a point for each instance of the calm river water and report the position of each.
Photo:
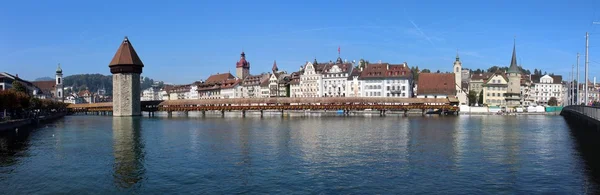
(330, 155)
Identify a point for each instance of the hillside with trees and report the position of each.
(93, 82)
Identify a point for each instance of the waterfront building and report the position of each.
(311, 80)
(278, 82)
(476, 82)
(211, 88)
(295, 90)
(251, 86)
(494, 89)
(385, 80)
(513, 94)
(265, 91)
(229, 88)
(353, 84)
(151, 94)
(436, 85)
(126, 68)
(461, 93)
(527, 98)
(545, 87)
(73, 99)
(179, 92)
(335, 77)
(7, 79)
(242, 67)
(87, 96)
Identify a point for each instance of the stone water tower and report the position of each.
(126, 68)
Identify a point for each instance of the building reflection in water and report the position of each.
(128, 149)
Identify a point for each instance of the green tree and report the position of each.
(426, 71)
(480, 100)
(553, 101)
(18, 87)
(472, 97)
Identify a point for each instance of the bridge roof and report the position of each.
(327, 100)
(284, 100)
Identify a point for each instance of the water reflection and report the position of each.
(12, 146)
(128, 150)
(586, 143)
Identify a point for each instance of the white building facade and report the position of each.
(311, 81)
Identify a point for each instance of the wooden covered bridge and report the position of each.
(346, 104)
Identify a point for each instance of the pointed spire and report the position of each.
(275, 69)
(513, 63)
(315, 62)
(457, 58)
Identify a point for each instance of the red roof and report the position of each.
(126, 55)
(242, 63)
(386, 70)
(436, 83)
(219, 77)
(46, 86)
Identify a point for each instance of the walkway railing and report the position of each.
(590, 111)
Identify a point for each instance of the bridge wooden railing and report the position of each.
(330, 103)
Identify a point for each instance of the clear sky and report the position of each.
(183, 41)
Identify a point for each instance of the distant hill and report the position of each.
(93, 82)
(44, 79)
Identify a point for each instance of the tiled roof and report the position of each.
(180, 88)
(497, 73)
(481, 76)
(219, 77)
(295, 78)
(253, 80)
(46, 86)
(230, 83)
(385, 70)
(126, 55)
(265, 82)
(209, 86)
(556, 78)
(436, 83)
(167, 87)
(344, 67)
(355, 72)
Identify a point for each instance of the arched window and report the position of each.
(457, 70)
(58, 80)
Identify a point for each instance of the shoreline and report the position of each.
(20, 123)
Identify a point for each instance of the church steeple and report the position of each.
(514, 68)
(275, 69)
(58, 70)
(457, 58)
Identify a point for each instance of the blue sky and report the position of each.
(189, 40)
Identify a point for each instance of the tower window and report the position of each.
(58, 80)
